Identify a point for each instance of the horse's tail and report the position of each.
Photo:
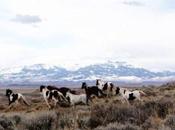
(24, 100)
(58, 93)
(64, 98)
(142, 93)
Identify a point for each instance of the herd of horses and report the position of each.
(66, 95)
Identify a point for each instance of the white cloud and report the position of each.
(27, 19)
(133, 3)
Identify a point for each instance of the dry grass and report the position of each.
(156, 112)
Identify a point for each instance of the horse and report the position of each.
(75, 99)
(63, 90)
(57, 97)
(48, 93)
(92, 90)
(107, 87)
(15, 97)
(130, 95)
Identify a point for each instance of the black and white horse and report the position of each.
(74, 99)
(63, 90)
(46, 94)
(15, 97)
(130, 95)
(57, 97)
(54, 93)
(92, 90)
(107, 87)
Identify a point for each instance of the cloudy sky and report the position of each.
(69, 32)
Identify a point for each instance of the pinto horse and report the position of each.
(54, 93)
(107, 87)
(130, 95)
(15, 97)
(57, 97)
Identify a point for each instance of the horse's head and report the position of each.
(111, 84)
(42, 87)
(8, 92)
(99, 82)
(117, 90)
(84, 85)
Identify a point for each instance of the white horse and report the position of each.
(75, 99)
(130, 95)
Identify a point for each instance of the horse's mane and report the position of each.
(52, 88)
(86, 86)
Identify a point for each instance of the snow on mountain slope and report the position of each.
(109, 71)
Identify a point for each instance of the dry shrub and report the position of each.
(160, 108)
(117, 126)
(170, 121)
(163, 127)
(137, 115)
(6, 123)
(65, 121)
(152, 123)
(16, 119)
(150, 92)
(44, 121)
(83, 122)
(1, 128)
(103, 115)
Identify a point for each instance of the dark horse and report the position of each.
(92, 90)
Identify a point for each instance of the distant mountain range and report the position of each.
(109, 71)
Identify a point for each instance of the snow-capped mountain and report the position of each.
(109, 71)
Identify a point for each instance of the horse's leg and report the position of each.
(24, 100)
(122, 99)
(10, 106)
(87, 99)
(46, 100)
(91, 99)
(139, 99)
(107, 92)
(17, 102)
(55, 103)
(127, 101)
